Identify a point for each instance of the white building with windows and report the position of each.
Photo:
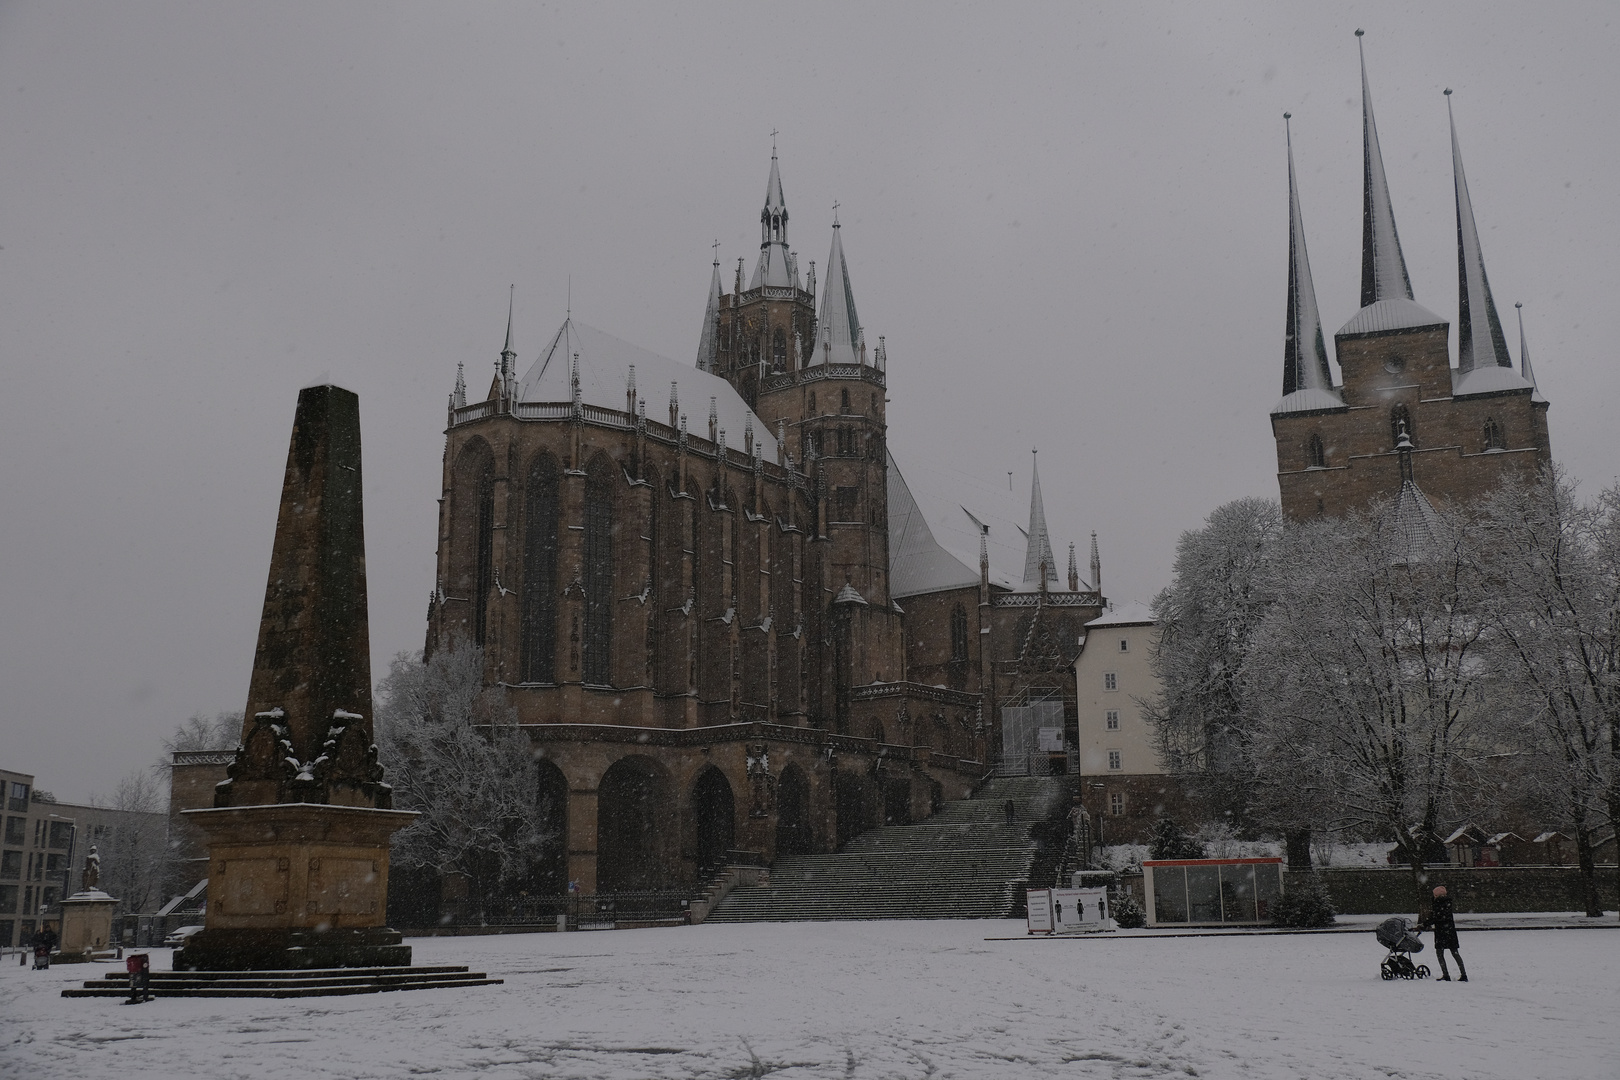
(1121, 778)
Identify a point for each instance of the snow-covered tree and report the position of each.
(1553, 607)
(221, 731)
(1364, 682)
(1222, 591)
(455, 755)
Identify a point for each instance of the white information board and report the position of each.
(1068, 911)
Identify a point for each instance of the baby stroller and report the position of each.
(1401, 940)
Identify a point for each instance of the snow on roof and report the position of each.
(838, 330)
(604, 367)
(954, 504)
(1466, 831)
(1419, 531)
(848, 595)
(1487, 380)
(1130, 613)
(1305, 364)
(917, 563)
(1393, 313)
(1310, 399)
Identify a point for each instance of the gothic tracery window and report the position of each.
(959, 633)
(539, 589)
(778, 351)
(1493, 435)
(598, 571)
(1315, 453)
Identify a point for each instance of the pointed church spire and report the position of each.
(1480, 341)
(1074, 570)
(709, 341)
(775, 267)
(838, 328)
(1525, 371)
(1038, 557)
(508, 372)
(1305, 364)
(1096, 565)
(1383, 268)
(459, 397)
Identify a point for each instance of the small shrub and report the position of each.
(1170, 841)
(1128, 913)
(1304, 903)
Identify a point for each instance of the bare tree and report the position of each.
(1222, 591)
(132, 841)
(221, 731)
(455, 755)
(1554, 609)
(1365, 680)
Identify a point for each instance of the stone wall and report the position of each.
(1474, 890)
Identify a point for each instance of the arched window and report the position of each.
(843, 401)
(778, 351)
(1399, 416)
(959, 633)
(1493, 435)
(598, 571)
(1315, 454)
(812, 403)
(539, 588)
(472, 502)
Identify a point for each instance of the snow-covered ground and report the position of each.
(890, 999)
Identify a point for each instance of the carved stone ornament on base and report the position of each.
(298, 837)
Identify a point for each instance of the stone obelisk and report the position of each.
(298, 837)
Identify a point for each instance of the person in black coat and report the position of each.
(1445, 935)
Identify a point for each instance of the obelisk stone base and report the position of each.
(296, 885)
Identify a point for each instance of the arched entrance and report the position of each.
(632, 807)
(896, 801)
(850, 799)
(551, 796)
(714, 814)
(793, 836)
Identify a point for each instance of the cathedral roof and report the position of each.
(709, 342)
(776, 263)
(917, 562)
(838, 329)
(1305, 363)
(1383, 267)
(604, 372)
(1480, 341)
(1525, 371)
(1038, 552)
(1418, 533)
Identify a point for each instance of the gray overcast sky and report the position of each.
(1070, 225)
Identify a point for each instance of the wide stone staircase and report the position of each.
(965, 862)
(316, 982)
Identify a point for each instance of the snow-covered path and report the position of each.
(893, 999)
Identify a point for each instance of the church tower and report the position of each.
(814, 379)
(1402, 415)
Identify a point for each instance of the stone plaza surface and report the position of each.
(892, 999)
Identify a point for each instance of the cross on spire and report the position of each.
(774, 134)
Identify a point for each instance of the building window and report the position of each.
(1116, 804)
(959, 633)
(1110, 681)
(812, 403)
(1493, 435)
(598, 571)
(843, 401)
(1124, 644)
(1113, 719)
(844, 504)
(17, 831)
(11, 865)
(19, 797)
(1315, 454)
(8, 902)
(778, 350)
(539, 608)
(1400, 419)
(1115, 762)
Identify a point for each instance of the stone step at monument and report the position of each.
(316, 982)
(965, 862)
